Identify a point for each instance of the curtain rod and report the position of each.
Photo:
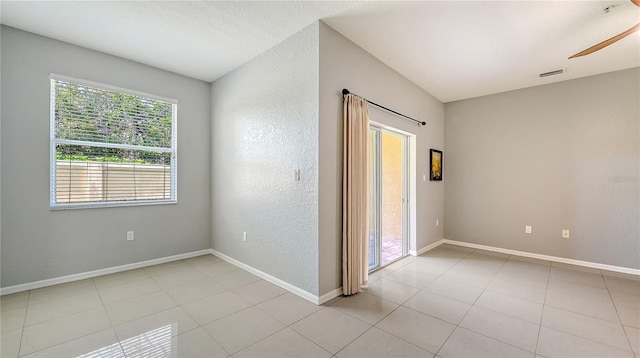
(346, 92)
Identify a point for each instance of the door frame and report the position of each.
(408, 192)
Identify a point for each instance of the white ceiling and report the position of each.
(452, 49)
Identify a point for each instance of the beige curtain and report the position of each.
(355, 196)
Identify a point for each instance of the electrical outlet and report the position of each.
(566, 234)
(528, 229)
(244, 236)
(129, 235)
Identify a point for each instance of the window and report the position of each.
(110, 147)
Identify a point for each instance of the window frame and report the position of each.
(53, 141)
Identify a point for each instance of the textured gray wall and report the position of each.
(558, 156)
(38, 243)
(345, 65)
(264, 127)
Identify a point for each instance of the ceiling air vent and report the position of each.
(553, 73)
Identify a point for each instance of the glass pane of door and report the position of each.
(388, 191)
(392, 197)
(374, 197)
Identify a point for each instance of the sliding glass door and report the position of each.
(388, 196)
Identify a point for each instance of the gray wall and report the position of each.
(38, 243)
(345, 65)
(264, 127)
(558, 156)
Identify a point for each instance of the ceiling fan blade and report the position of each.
(608, 42)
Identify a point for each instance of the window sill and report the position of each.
(114, 204)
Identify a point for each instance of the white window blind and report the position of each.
(110, 147)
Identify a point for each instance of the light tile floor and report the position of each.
(449, 302)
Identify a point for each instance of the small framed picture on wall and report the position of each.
(436, 165)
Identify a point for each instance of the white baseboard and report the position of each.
(563, 260)
(289, 287)
(90, 274)
(278, 282)
(330, 295)
(426, 248)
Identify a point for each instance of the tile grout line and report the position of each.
(457, 324)
(617, 313)
(104, 306)
(198, 325)
(465, 314)
(111, 326)
(544, 301)
(23, 322)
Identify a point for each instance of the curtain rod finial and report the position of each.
(424, 123)
(345, 91)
